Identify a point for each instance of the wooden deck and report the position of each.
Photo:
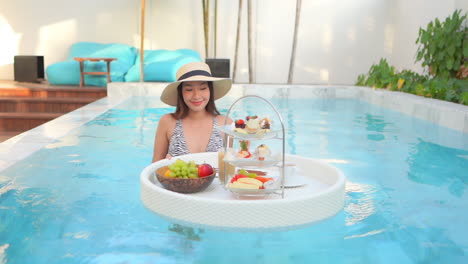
(24, 106)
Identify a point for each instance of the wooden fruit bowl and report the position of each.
(183, 185)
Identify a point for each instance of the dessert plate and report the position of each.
(267, 162)
(266, 135)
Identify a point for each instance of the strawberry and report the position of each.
(239, 123)
(238, 176)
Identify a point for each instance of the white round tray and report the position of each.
(320, 196)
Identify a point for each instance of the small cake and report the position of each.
(262, 152)
(244, 152)
(252, 125)
(265, 123)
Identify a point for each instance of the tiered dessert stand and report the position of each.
(230, 136)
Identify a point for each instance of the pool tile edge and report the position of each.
(20, 146)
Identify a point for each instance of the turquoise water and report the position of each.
(78, 199)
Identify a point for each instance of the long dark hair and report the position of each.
(182, 109)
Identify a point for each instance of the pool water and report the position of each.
(78, 199)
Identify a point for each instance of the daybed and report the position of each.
(160, 65)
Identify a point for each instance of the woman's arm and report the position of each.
(161, 139)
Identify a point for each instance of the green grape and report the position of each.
(184, 170)
(180, 163)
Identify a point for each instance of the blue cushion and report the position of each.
(64, 73)
(161, 65)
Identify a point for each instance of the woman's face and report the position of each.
(196, 95)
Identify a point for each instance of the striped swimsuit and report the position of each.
(178, 145)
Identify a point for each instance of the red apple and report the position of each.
(204, 170)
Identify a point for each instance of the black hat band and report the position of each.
(194, 73)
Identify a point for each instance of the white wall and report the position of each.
(337, 40)
(340, 39)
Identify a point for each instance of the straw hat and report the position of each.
(195, 71)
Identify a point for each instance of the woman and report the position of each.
(190, 129)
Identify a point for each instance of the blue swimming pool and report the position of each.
(77, 200)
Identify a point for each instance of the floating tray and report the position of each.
(320, 196)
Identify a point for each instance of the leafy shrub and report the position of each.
(442, 46)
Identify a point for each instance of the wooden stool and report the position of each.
(82, 72)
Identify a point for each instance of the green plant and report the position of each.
(464, 98)
(380, 75)
(443, 46)
(457, 91)
(442, 88)
(408, 80)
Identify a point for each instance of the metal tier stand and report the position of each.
(229, 136)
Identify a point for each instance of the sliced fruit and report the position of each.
(250, 181)
(252, 175)
(242, 171)
(241, 185)
(263, 179)
(259, 173)
(238, 176)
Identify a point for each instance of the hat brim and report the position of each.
(221, 87)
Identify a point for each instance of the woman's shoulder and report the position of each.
(167, 120)
(221, 119)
